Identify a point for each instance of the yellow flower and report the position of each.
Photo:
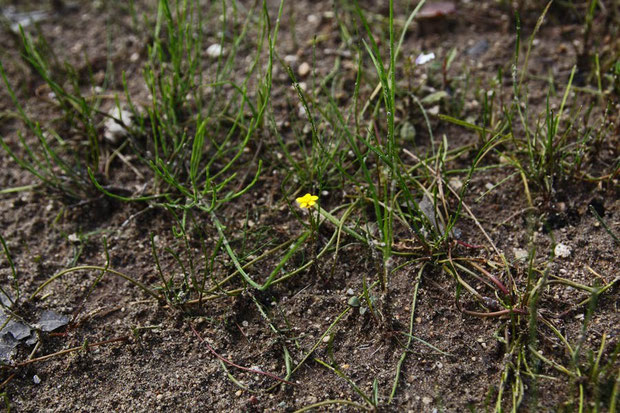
(307, 201)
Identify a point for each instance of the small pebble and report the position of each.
(301, 111)
(455, 183)
(327, 338)
(520, 254)
(426, 400)
(304, 69)
(36, 379)
(562, 250)
(313, 19)
(215, 50)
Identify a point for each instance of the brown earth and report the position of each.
(160, 363)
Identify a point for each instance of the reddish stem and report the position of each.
(472, 246)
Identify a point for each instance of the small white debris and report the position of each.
(434, 110)
(215, 50)
(350, 291)
(455, 183)
(301, 111)
(290, 58)
(77, 47)
(113, 130)
(304, 69)
(73, 238)
(327, 338)
(36, 379)
(426, 400)
(424, 58)
(135, 56)
(520, 254)
(489, 186)
(313, 19)
(562, 250)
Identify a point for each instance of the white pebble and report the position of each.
(456, 184)
(520, 254)
(304, 69)
(562, 250)
(215, 50)
(313, 19)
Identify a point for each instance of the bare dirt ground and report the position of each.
(457, 359)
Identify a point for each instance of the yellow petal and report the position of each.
(307, 200)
